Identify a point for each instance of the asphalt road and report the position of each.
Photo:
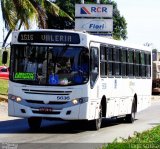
(70, 135)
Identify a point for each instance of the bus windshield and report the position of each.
(49, 65)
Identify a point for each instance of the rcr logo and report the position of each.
(63, 98)
(99, 9)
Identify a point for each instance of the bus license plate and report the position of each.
(44, 109)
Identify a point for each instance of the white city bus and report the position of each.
(73, 75)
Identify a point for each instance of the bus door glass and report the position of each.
(94, 55)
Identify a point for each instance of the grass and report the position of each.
(3, 83)
(0, 60)
(3, 87)
(147, 139)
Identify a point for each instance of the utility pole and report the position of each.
(82, 1)
(98, 1)
(3, 34)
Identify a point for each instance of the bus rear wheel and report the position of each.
(34, 123)
(131, 117)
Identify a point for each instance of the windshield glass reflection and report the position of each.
(50, 65)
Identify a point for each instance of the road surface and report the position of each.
(15, 130)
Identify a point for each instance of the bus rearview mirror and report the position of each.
(4, 57)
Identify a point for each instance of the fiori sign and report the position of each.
(93, 10)
(94, 25)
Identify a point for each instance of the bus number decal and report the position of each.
(63, 98)
(26, 37)
(104, 86)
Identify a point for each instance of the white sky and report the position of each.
(143, 20)
(142, 17)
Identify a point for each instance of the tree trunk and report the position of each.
(20, 25)
(10, 31)
(5, 40)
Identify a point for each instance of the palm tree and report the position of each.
(22, 12)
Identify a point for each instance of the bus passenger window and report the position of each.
(136, 63)
(117, 62)
(110, 69)
(124, 62)
(103, 61)
(110, 54)
(142, 66)
(148, 65)
(111, 58)
(130, 62)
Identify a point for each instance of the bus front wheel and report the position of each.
(96, 124)
(34, 123)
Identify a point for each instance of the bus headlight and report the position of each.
(80, 100)
(18, 99)
(75, 101)
(15, 98)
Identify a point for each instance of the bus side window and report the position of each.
(136, 63)
(148, 64)
(117, 62)
(142, 64)
(130, 62)
(110, 62)
(103, 61)
(124, 62)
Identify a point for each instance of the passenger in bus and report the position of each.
(30, 63)
(42, 78)
(65, 66)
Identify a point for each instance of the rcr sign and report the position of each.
(93, 10)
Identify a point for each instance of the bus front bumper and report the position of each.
(75, 112)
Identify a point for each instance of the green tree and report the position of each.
(22, 12)
(119, 22)
(60, 20)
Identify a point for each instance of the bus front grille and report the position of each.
(46, 92)
(50, 102)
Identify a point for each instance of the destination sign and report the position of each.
(49, 37)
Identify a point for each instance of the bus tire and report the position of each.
(131, 117)
(34, 123)
(96, 124)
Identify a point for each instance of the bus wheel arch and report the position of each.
(135, 98)
(104, 106)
